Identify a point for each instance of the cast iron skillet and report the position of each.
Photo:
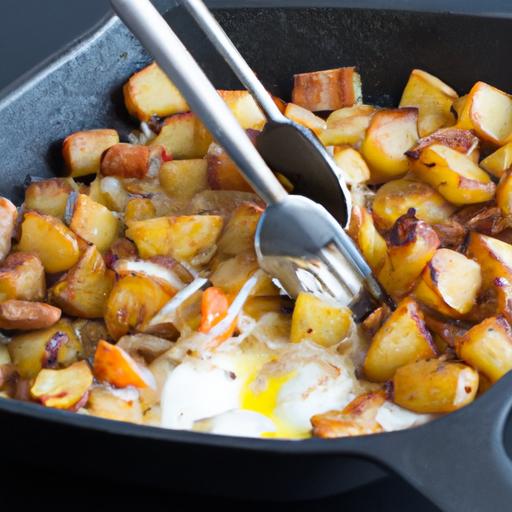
(458, 461)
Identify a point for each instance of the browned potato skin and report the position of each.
(49, 196)
(22, 277)
(26, 315)
(8, 216)
(139, 208)
(126, 161)
(431, 386)
(104, 404)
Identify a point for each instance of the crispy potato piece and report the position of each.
(22, 277)
(390, 134)
(454, 279)
(305, 117)
(455, 176)
(434, 386)
(121, 249)
(144, 347)
(138, 209)
(403, 338)
(504, 194)
(27, 315)
(433, 99)
(30, 350)
(396, 197)
(8, 216)
(133, 301)
(354, 169)
(47, 237)
(330, 89)
(319, 321)
(488, 111)
(347, 125)
(183, 237)
(149, 92)
(184, 136)
(126, 161)
(49, 196)
(84, 290)
(499, 162)
(412, 244)
(104, 403)
(94, 223)
(488, 347)
(356, 419)
(82, 150)
(62, 389)
(115, 366)
(244, 108)
(184, 178)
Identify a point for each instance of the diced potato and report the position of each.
(347, 125)
(8, 216)
(412, 244)
(82, 150)
(94, 223)
(354, 169)
(454, 279)
(330, 89)
(49, 196)
(182, 237)
(498, 162)
(504, 194)
(62, 389)
(488, 347)
(5, 358)
(126, 161)
(122, 248)
(434, 386)
(488, 111)
(113, 195)
(319, 321)
(184, 136)
(183, 179)
(454, 175)
(84, 290)
(396, 197)
(244, 108)
(133, 301)
(105, 404)
(305, 117)
(29, 351)
(22, 277)
(390, 134)
(149, 92)
(458, 105)
(433, 99)
(47, 237)
(27, 315)
(402, 339)
(138, 209)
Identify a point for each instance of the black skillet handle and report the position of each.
(459, 461)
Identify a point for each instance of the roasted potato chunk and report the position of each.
(244, 108)
(403, 338)
(351, 164)
(27, 315)
(48, 238)
(504, 194)
(488, 347)
(319, 321)
(183, 179)
(390, 134)
(112, 193)
(82, 150)
(49, 196)
(8, 216)
(104, 403)
(434, 386)
(331, 89)
(22, 277)
(149, 92)
(305, 117)
(126, 161)
(433, 99)
(498, 162)
(347, 125)
(138, 209)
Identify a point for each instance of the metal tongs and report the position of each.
(298, 241)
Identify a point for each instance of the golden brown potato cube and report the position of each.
(488, 347)
(8, 216)
(454, 175)
(27, 315)
(183, 179)
(390, 134)
(133, 301)
(244, 108)
(84, 290)
(22, 277)
(488, 111)
(305, 117)
(319, 321)
(396, 197)
(498, 162)
(433, 99)
(49, 196)
(47, 237)
(55, 346)
(149, 92)
(402, 339)
(137, 209)
(126, 161)
(412, 244)
(183, 237)
(353, 168)
(330, 89)
(434, 386)
(504, 194)
(104, 403)
(62, 389)
(94, 223)
(184, 136)
(347, 125)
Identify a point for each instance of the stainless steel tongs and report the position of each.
(297, 241)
